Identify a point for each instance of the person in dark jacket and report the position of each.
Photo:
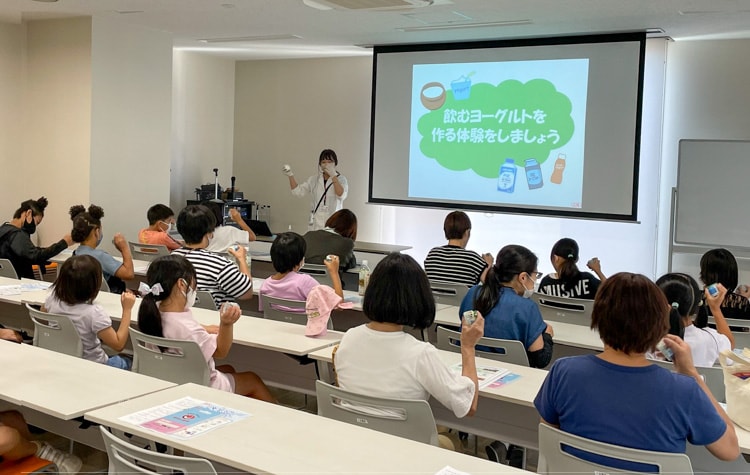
(15, 239)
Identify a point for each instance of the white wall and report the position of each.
(55, 121)
(12, 78)
(202, 124)
(287, 111)
(706, 98)
(131, 114)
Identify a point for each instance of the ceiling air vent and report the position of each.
(361, 5)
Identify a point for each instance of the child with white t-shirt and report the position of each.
(684, 295)
(165, 311)
(73, 295)
(288, 257)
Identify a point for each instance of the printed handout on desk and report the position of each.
(448, 470)
(184, 418)
(10, 289)
(485, 374)
(34, 286)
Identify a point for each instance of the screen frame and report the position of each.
(638, 36)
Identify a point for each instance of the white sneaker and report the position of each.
(66, 463)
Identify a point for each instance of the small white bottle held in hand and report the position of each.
(364, 278)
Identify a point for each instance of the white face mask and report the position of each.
(168, 225)
(527, 293)
(189, 296)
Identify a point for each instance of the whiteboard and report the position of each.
(713, 192)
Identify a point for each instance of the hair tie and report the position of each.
(571, 256)
(144, 289)
(675, 305)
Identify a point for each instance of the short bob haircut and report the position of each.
(328, 154)
(287, 251)
(456, 224)
(79, 280)
(158, 212)
(344, 222)
(719, 266)
(194, 222)
(399, 293)
(631, 313)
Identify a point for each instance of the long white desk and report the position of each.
(279, 440)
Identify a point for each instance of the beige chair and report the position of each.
(204, 299)
(127, 459)
(55, 332)
(508, 351)
(740, 331)
(563, 309)
(147, 252)
(7, 269)
(319, 272)
(555, 460)
(448, 293)
(411, 419)
(274, 309)
(178, 361)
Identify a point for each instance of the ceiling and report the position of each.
(292, 29)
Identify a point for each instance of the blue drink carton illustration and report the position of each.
(533, 174)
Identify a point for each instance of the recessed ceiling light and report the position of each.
(245, 39)
(456, 26)
(46, 1)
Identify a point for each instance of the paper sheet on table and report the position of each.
(448, 470)
(485, 374)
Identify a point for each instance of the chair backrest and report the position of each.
(55, 332)
(555, 459)
(508, 351)
(275, 308)
(319, 272)
(408, 418)
(448, 293)
(105, 286)
(178, 361)
(713, 376)
(125, 458)
(7, 269)
(147, 252)
(740, 331)
(564, 309)
(203, 299)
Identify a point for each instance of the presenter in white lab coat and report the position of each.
(328, 189)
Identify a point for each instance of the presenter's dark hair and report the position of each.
(165, 271)
(85, 222)
(456, 224)
(511, 261)
(719, 266)
(344, 222)
(328, 154)
(194, 222)
(158, 212)
(287, 251)
(79, 280)
(36, 207)
(399, 292)
(567, 250)
(631, 313)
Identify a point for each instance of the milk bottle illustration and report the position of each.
(506, 180)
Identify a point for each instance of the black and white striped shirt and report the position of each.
(454, 264)
(216, 274)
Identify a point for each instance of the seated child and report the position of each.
(288, 257)
(160, 222)
(166, 312)
(73, 294)
(569, 281)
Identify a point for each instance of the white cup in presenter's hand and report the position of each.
(287, 170)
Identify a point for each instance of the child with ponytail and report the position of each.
(166, 312)
(569, 281)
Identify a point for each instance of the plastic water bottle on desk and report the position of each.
(364, 278)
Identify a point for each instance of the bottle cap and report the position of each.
(364, 263)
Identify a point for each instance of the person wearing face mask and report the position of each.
(87, 230)
(166, 312)
(160, 222)
(227, 236)
(15, 239)
(504, 301)
(328, 189)
(225, 280)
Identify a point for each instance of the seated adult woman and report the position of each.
(453, 262)
(337, 238)
(568, 280)
(685, 296)
(720, 266)
(380, 359)
(621, 398)
(87, 230)
(504, 301)
(160, 222)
